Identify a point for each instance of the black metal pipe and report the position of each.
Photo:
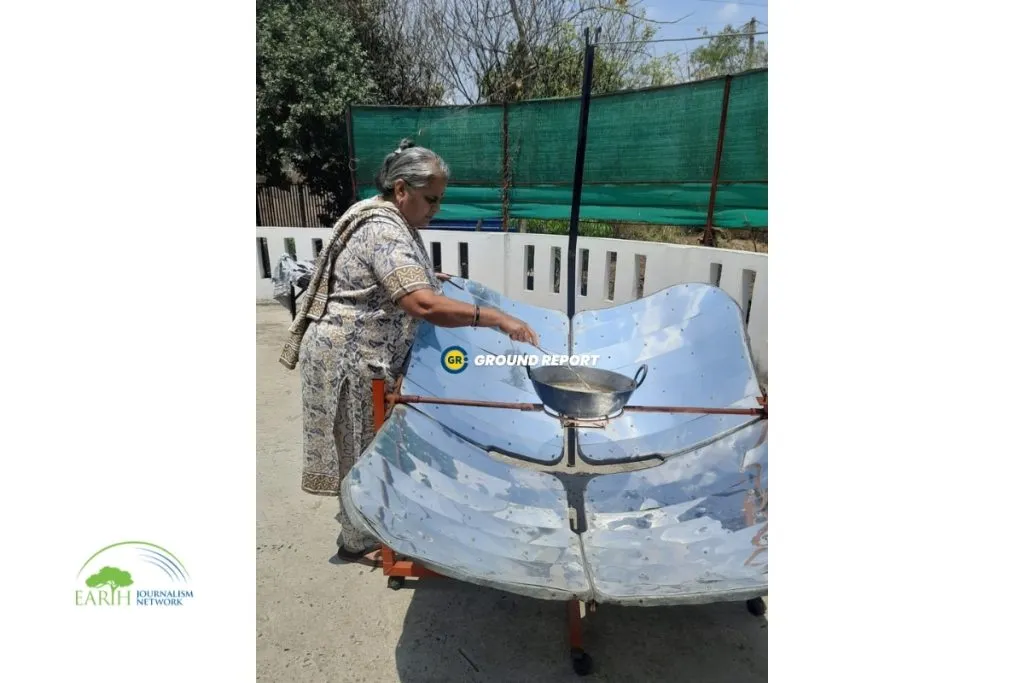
(577, 194)
(571, 447)
(577, 182)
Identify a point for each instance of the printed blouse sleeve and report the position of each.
(394, 260)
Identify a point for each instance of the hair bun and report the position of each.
(406, 144)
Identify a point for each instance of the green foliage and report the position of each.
(551, 70)
(110, 576)
(637, 68)
(728, 52)
(555, 68)
(587, 228)
(309, 68)
(314, 59)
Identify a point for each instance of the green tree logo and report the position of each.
(110, 576)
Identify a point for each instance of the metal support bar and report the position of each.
(379, 403)
(581, 661)
(571, 448)
(709, 234)
(394, 398)
(698, 410)
(575, 626)
(577, 181)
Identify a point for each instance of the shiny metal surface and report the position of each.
(583, 392)
(438, 499)
(530, 435)
(692, 338)
(691, 530)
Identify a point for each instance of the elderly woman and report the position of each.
(372, 287)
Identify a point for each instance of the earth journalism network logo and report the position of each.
(133, 574)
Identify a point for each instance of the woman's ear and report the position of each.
(401, 190)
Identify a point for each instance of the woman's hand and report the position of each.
(518, 330)
(444, 312)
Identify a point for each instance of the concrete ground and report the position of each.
(319, 620)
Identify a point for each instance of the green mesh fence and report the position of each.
(650, 154)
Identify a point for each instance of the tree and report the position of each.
(110, 576)
(508, 50)
(401, 53)
(553, 70)
(309, 69)
(316, 58)
(556, 70)
(730, 51)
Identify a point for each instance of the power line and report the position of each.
(731, 2)
(743, 34)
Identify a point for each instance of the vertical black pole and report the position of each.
(574, 214)
(577, 181)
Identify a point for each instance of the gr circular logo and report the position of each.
(454, 359)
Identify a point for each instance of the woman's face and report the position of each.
(419, 204)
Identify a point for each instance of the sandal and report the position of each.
(350, 556)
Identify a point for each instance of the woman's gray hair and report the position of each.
(417, 166)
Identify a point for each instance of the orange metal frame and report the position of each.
(395, 567)
(389, 562)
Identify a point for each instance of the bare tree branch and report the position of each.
(518, 18)
(627, 12)
(475, 41)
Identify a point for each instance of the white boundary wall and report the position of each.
(499, 261)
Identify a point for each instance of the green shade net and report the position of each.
(650, 154)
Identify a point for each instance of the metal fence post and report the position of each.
(708, 239)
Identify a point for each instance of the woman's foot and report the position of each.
(352, 556)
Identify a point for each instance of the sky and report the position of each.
(712, 14)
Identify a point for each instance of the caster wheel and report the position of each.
(757, 607)
(582, 664)
(396, 582)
